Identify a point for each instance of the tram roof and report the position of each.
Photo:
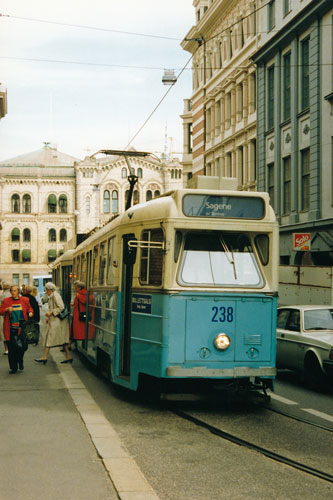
(170, 206)
(68, 255)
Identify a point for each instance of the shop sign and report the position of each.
(302, 242)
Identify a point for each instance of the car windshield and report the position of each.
(318, 319)
(219, 259)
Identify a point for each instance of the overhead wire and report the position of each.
(95, 28)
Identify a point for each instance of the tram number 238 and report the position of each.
(222, 314)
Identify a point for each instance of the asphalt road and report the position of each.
(184, 461)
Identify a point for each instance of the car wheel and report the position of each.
(313, 374)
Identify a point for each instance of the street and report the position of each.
(184, 461)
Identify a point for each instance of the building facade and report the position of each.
(295, 124)
(3, 101)
(220, 118)
(50, 201)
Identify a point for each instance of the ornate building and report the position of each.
(49, 201)
(220, 118)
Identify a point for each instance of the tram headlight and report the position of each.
(222, 341)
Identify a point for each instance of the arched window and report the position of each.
(63, 235)
(126, 196)
(114, 202)
(15, 204)
(52, 235)
(149, 195)
(156, 193)
(26, 234)
(88, 205)
(26, 255)
(140, 173)
(106, 203)
(63, 204)
(136, 197)
(26, 204)
(16, 234)
(52, 204)
(124, 173)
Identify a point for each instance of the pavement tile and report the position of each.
(109, 447)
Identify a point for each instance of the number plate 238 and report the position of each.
(222, 314)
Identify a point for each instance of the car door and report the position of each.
(288, 338)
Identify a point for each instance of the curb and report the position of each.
(123, 471)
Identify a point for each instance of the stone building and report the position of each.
(295, 124)
(220, 118)
(50, 201)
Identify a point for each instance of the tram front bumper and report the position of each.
(237, 372)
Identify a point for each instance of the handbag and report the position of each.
(19, 342)
(30, 329)
(64, 313)
(83, 314)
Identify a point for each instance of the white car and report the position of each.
(305, 341)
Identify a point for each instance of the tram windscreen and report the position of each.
(219, 259)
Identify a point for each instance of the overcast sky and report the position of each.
(80, 107)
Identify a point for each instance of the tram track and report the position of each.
(294, 417)
(264, 451)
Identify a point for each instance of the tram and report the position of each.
(183, 288)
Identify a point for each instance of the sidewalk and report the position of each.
(55, 443)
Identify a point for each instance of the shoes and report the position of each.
(21, 366)
(44, 361)
(6, 352)
(12, 372)
(66, 361)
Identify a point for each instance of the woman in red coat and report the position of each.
(15, 309)
(78, 327)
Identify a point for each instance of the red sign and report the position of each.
(302, 241)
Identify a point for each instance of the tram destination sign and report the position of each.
(229, 207)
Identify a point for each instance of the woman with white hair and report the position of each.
(57, 333)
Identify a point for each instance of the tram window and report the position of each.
(77, 268)
(262, 244)
(83, 268)
(95, 266)
(151, 261)
(178, 244)
(219, 259)
(102, 263)
(110, 274)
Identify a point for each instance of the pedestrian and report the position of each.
(34, 304)
(57, 333)
(35, 293)
(15, 309)
(5, 293)
(78, 326)
(23, 290)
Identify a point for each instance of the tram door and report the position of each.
(129, 256)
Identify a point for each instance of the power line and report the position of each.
(159, 68)
(95, 28)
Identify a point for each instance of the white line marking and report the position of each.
(283, 400)
(318, 414)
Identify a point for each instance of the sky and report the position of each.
(107, 84)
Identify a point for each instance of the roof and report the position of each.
(48, 156)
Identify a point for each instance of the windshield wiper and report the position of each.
(229, 254)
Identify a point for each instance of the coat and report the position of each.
(8, 302)
(6, 293)
(57, 329)
(79, 327)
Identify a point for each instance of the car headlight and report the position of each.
(222, 341)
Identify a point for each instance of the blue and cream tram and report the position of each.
(62, 275)
(184, 287)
